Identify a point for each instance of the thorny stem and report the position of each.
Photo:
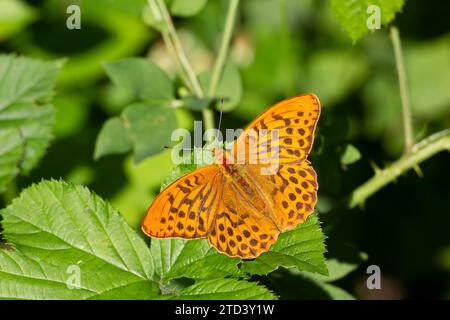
(406, 107)
(420, 152)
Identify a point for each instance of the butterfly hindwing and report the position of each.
(292, 191)
(239, 228)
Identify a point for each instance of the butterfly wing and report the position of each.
(186, 208)
(291, 188)
(284, 132)
(292, 192)
(239, 229)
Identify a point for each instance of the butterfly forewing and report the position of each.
(186, 208)
(283, 133)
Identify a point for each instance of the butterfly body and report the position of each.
(240, 205)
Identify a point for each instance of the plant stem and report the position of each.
(173, 43)
(406, 107)
(167, 40)
(420, 152)
(208, 114)
(224, 45)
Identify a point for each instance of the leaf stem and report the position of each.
(406, 107)
(174, 42)
(224, 46)
(420, 152)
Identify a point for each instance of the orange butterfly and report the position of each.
(238, 207)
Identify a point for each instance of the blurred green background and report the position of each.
(281, 48)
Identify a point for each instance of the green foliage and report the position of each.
(429, 82)
(350, 155)
(55, 225)
(333, 75)
(153, 115)
(26, 113)
(14, 16)
(184, 8)
(223, 289)
(353, 15)
(229, 88)
(113, 138)
(141, 77)
(195, 259)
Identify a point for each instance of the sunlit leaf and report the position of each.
(113, 138)
(14, 16)
(26, 113)
(350, 155)
(229, 88)
(142, 77)
(332, 75)
(195, 259)
(61, 231)
(354, 15)
(224, 289)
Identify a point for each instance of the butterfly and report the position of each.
(238, 204)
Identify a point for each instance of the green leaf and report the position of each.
(183, 8)
(224, 289)
(150, 128)
(429, 80)
(113, 138)
(143, 78)
(302, 248)
(11, 151)
(58, 228)
(353, 15)
(336, 270)
(195, 259)
(333, 75)
(26, 113)
(350, 155)
(229, 87)
(196, 104)
(146, 127)
(334, 292)
(14, 16)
